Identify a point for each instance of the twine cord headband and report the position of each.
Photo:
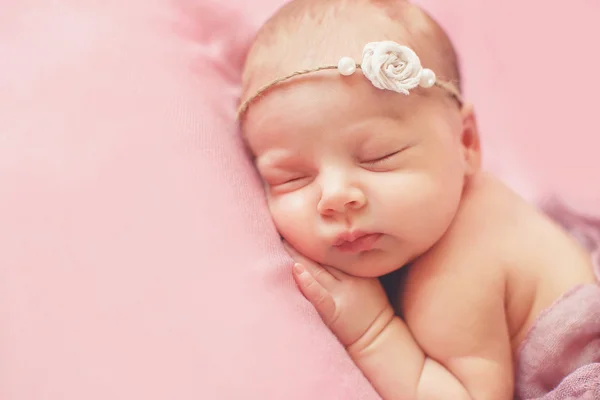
(388, 65)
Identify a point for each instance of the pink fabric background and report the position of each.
(137, 260)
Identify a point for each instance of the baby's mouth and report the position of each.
(357, 242)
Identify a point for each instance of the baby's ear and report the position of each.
(469, 140)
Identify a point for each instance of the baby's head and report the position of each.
(343, 160)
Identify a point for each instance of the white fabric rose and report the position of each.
(389, 65)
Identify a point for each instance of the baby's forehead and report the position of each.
(333, 114)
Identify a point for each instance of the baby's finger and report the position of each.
(321, 274)
(314, 292)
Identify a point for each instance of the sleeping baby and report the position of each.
(371, 161)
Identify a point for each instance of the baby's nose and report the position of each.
(340, 199)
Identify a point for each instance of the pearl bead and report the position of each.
(346, 66)
(428, 78)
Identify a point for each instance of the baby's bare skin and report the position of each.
(339, 157)
(499, 250)
(468, 318)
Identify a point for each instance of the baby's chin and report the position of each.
(369, 264)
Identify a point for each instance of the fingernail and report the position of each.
(298, 268)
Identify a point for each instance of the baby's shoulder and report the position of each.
(460, 268)
(472, 259)
(464, 260)
(460, 280)
(501, 247)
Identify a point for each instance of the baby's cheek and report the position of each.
(419, 206)
(407, 191)
(439, 204)
(292, 216)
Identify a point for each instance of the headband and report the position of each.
(388, 65)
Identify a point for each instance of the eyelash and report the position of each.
(292, 180)
(287, 186)
(286, 182)
(381, 159)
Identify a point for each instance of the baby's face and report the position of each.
(358, 178)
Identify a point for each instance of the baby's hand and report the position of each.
(348, 305)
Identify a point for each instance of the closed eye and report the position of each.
(292, 180)
(378, 160)
(290, 184)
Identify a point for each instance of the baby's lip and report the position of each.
(349, 237)
(357, 242)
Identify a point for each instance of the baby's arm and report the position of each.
(397, 367)
(456, 311)
(458, 319)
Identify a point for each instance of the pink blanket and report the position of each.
(560, 359)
